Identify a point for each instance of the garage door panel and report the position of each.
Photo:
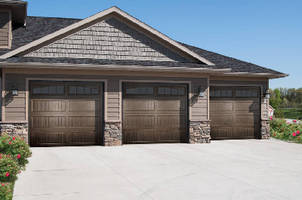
(82, 122)
(171, 105)
(48, 105)
(48, 138)
(139, 122)
(139, 104)
(82, 105)
(65, 119)
(222, 132)
(48, 122)
(80, 138)
(246, 106)
(222, 119)
(132, 136)
(221, 107)
(246, 119)
(170, 121)
(244, 132)
(169, 136)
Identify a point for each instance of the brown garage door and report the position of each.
(154, 113)
(65, 113)
(235, 112)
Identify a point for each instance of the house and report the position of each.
(111, 79)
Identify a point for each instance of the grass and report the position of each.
(292, 113)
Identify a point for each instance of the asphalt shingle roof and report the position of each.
(37, 27)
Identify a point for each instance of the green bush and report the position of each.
(9, 168)
(16, 147)
(280, 129)
(6, 191)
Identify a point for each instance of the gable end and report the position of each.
(109, 39)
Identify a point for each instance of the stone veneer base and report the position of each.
(265, 129)
(113, 134)
(200, 132)
(15, 129)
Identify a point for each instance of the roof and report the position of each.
(236, 65)
(12, 2)
(39, 27)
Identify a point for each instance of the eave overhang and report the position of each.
(136, 68)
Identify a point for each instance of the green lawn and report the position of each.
(292, 113)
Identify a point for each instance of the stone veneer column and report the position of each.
(265, 125)
(113, 134)
(200, 132)
(15, 129)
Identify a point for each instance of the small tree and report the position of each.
(275, 102)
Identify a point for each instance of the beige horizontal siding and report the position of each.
(113, 101)
(199, 105)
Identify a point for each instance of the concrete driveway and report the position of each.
(242, 169)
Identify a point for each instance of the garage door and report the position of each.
(235, 112)
(154, 113)
(65, 113)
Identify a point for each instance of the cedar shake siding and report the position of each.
(4, 29)
(109, 39)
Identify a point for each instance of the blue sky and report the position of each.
(267, 33)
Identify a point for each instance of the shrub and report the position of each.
(16, 147)
(279, 113)
(286, 131)
(6, 191)
(9, 168)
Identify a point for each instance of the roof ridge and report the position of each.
(46, 17)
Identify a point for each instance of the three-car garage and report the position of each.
(72, 113)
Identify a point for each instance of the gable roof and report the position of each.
(103, 14)
(39, 27)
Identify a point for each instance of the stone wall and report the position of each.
(113, 134)
(15, 129)
(200, 132)
(265, 129)
(265, 126)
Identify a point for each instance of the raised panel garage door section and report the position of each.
(235, 112)
(65, 113)
(154, 113)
